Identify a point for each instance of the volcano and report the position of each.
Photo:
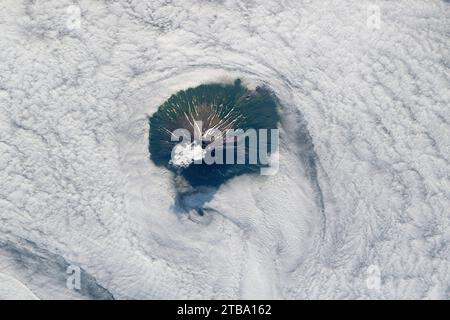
(204, 115)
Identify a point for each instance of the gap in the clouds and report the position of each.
(192, 199)
(218, 106)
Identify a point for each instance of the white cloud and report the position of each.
(77, 181)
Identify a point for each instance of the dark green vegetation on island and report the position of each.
(219, 106)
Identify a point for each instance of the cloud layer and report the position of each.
(359, 208)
